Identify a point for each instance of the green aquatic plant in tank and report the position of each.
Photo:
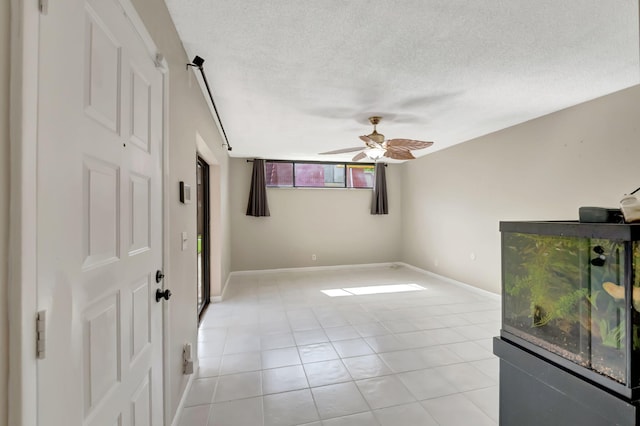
(542, 277)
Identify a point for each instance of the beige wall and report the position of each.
(334, 224)
(4, 204)
(544, 169)
(189, 117)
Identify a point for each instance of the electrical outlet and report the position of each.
(314, 257)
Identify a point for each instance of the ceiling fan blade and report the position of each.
(359, 156)
(341, 151)
(366, 139)
(399, 153)
(408, 143)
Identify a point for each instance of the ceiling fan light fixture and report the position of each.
(376, 146)
(375, 153)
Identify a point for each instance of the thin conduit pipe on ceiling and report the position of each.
(197, 63)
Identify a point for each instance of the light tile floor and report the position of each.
(279, 352)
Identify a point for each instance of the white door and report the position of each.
(99, 218)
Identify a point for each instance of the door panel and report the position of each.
(140, 119)
(102, 65)
(140, 319)
(141, 404)
(139, 214)
(204, 237)
(99, 218)
(101, 343)
(101, 205)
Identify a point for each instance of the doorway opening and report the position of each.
(204, 237)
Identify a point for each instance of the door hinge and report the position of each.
(43, 6)
(41, 334)
(159, 60)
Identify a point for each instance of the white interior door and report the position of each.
(99, 218)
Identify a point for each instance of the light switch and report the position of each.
(184, 241)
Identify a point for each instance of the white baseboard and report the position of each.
(176, 417)
(455, 282)
(365, 265)
(218, 299)
(226, 286)
(313, 268)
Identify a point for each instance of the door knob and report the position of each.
(166, 295)
(159, 276)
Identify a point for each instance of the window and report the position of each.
(360, 175)
(303, 174)
(318, 175)
(279, 173)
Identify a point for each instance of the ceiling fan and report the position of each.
(377, 146)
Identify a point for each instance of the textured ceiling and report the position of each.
(293, 78)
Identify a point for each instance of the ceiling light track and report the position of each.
(197, 63)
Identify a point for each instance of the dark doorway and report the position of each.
(204, 238)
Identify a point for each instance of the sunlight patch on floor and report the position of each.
(374, 289)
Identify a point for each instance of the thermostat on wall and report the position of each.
(185, 193)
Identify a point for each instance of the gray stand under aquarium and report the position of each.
(569, 346)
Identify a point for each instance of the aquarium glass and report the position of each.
(566, 295)
(635, 353)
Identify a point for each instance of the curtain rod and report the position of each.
(197, 63)
(313, 162)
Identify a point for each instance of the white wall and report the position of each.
(334, 224)
(544, 169)
(4, 204)
(189, 117)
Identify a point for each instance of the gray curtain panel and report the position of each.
(379, 204)
(258, 205)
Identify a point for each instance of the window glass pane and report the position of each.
(279, 174)
(360, 175)
(319, 175)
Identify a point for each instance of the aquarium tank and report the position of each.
(571, 293)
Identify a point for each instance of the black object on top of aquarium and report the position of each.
(572, 228)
